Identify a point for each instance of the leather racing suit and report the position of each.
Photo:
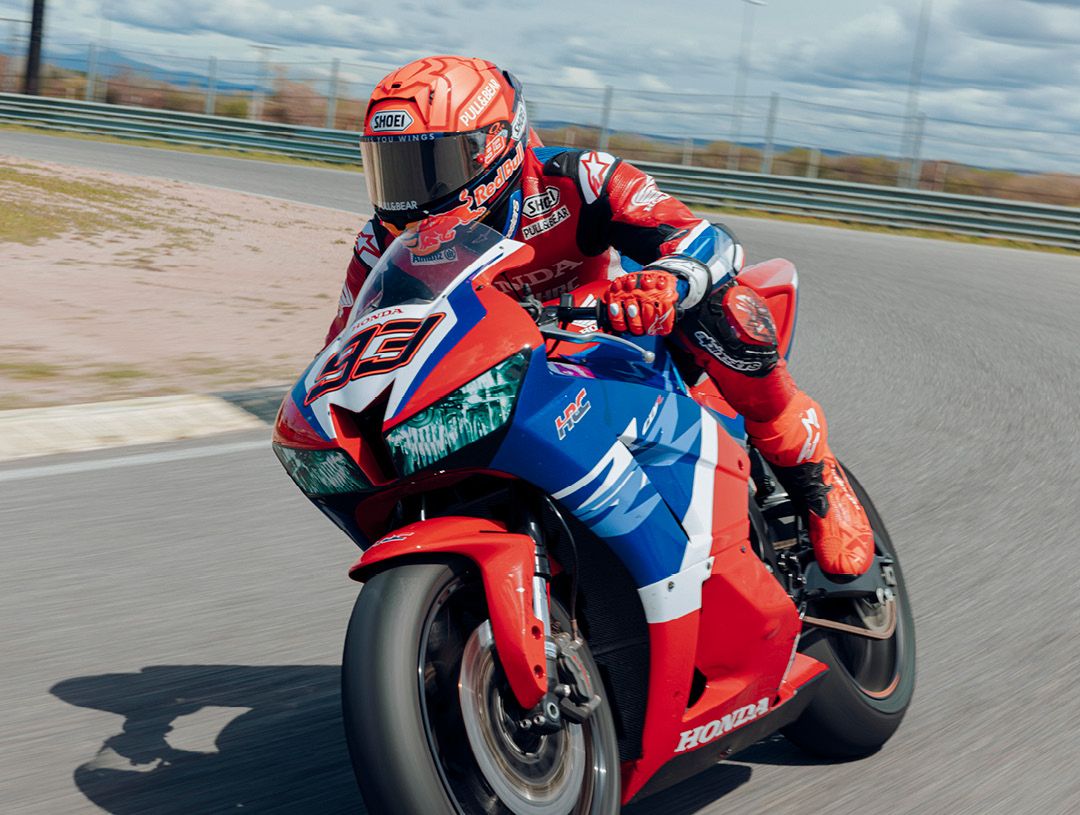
(589, 217)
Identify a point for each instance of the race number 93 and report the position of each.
(378, 349)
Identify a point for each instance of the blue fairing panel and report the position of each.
(619, 454)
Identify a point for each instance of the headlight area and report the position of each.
(468, 415)
(322, 472)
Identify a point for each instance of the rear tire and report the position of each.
(864, 696)
(402, 708)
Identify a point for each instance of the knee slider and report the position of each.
(735, 326)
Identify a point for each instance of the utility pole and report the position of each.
(10, 79)
(740, 80)
(33, 55)
(605, 117)
(770, 135)
(258, 99)
(907, 143)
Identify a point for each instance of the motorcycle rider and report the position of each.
(449, 135)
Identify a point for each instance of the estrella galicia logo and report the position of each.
(391, 121)
(536, 205)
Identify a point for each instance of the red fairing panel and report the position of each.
(777, 282)
(506, 567)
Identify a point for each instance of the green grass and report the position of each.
(119, 374)
(30, 371)
(38, 205)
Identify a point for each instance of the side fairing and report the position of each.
(634, 462)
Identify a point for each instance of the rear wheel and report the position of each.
(863, 698)
(431, 722)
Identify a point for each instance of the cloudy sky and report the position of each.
(1008, 66)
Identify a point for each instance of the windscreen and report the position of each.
(423, 262)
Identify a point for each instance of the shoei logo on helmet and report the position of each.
(479, 102)
(390, 121)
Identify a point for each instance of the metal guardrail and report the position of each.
(835, 200)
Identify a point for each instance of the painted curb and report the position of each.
(33, 432)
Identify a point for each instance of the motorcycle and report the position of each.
(581, 584)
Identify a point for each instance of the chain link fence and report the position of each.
(761, 134)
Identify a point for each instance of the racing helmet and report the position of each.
(445, 135)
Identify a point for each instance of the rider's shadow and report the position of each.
(218, 738)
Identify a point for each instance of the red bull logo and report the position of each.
(432, 233)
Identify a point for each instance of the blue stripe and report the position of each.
(468, 311)
(545, 154)
(704, 247)
(299, 393)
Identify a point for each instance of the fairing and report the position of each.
(650, 466)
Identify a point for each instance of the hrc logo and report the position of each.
(572, 414)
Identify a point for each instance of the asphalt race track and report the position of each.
(172, 625)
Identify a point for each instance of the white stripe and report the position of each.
(675, 596)
(698, 521)
(696, 232)
(75, 467)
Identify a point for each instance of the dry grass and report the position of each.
(37, 205)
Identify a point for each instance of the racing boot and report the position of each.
(795, 444)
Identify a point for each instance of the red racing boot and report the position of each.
(795, 444)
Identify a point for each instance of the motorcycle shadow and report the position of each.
(218, 738)
(221, 738)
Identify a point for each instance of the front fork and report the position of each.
(571, 693)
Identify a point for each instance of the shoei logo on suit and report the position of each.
(390, 121)
(536, 205)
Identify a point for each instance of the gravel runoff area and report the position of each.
(118, 286)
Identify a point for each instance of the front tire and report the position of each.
(868, 688)
(410, 629)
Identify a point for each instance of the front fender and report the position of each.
(506, 562)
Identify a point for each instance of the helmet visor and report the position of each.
(406, 176)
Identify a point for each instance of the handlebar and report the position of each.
(571, 314)
(568, 314)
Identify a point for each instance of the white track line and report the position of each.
(138, 460)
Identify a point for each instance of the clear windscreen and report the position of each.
(424, 261)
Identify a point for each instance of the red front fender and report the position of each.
(505, 560)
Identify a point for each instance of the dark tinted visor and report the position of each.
(406, 176)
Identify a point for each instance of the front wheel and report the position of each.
(432, 726)
(870, 682)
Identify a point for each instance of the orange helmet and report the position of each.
(443, 133)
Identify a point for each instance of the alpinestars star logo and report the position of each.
(596, 166)
(812, 427)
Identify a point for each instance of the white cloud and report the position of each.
(1011, 63)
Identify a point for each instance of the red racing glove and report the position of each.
(643, 303)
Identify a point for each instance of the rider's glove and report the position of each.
(648, 302)
(642, 302)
